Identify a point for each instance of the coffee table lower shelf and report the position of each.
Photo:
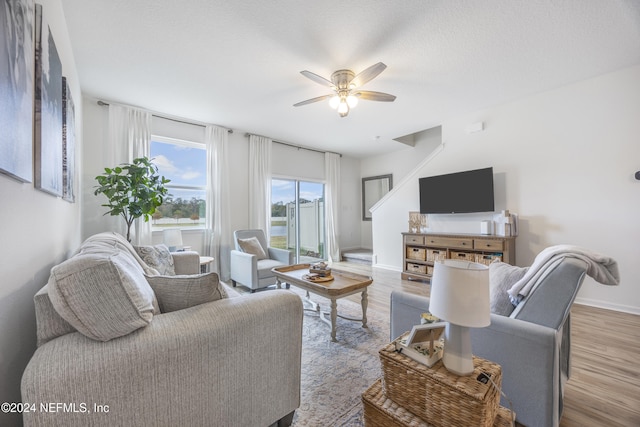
(379, 411)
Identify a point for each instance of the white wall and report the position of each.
(38, 231)
(399, 164)
(565, 161)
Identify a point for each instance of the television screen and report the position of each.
(461, 192)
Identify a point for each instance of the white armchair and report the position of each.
(252, 260)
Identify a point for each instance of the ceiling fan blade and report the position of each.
(368, 74)
(312, 100)
(316, 78)
(375, 96)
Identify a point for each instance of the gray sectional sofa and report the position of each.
(119, 344)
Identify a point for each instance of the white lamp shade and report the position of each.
(172, 238)
(460, 293)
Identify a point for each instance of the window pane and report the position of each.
(184, 165)
(297, 218)
(311, 221)
(283, 214)
(183, 208)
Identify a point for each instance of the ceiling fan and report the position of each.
(346, 84)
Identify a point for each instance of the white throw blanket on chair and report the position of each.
(601, 268)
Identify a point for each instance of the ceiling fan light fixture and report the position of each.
(334, 101)
(343, 108)
(346, 88)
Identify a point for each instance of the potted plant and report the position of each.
(133, 189)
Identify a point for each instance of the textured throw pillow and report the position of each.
(252, 246)
(103, 296)
(501, 277)
(180, 292)
(157, 257)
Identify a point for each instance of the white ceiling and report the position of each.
(237, 63)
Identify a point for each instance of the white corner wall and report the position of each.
(38, 231)
(564, 160)
(399, 164)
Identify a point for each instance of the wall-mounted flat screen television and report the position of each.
(461, 192)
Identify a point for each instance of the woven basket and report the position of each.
(380, 411)
(438, 396)
(436, 254)
(416, 253)
(463, 256)
(487, 259)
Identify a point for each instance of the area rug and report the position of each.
(335, 374)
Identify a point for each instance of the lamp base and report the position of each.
(457, 357)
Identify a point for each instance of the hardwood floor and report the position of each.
(604, 388)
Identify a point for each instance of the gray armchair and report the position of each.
(251, 266)
(532, 345)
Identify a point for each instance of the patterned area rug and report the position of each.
(335, 374)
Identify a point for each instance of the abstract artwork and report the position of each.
(48, 110)
(16, 88)
(68, 143)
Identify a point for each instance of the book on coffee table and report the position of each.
(424, 343)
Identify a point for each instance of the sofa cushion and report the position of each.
(252, 246)
(109, 242)
(157, 257)
(501, 277)
(180, 292)
(49, 324)
(103, 296)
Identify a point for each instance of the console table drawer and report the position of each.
(449, 242)
(488, 245)
(414, 240)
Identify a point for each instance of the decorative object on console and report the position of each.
(418, 222)
(506, 223)
(460, 296)
(133, 189)
(173, 239)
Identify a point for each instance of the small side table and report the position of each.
(205, 261)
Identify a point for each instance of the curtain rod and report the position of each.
(294, 146)
(105, 104)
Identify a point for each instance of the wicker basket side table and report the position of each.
(380, 411)
(439, 397)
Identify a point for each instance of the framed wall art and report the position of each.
(16, 88)
(68, 143)
(48, 110)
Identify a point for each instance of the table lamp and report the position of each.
(173, 239)
(460, 296)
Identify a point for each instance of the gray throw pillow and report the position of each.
(157, 257)
(502, 277)
(104, 296)
(180, 292)
(252, 246)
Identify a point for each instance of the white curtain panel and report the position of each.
(218, 232)
(260, 183)
(130, 137)
(332, 178)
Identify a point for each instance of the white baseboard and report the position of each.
(608, 306)
(387, 267)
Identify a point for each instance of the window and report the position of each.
(185, 164)
(297, 218)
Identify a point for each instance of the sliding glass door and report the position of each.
(297, 218)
